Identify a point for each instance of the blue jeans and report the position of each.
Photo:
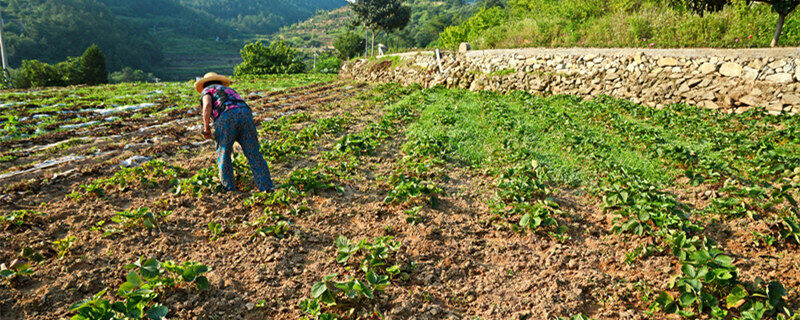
(236, 125)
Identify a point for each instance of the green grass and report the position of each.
(620, 23)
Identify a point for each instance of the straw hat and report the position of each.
(211, 76)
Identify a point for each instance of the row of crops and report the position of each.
(387, 197)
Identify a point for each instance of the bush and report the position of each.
(131, 75)
(277, 58)
(328, 65)
(34, 73)
(349, 45)
(90, 68)
(473, 28)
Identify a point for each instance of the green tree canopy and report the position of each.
(277, 58)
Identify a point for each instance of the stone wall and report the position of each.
(725, 79)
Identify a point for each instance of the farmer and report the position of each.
(233, 122)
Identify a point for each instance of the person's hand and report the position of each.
(207, 134)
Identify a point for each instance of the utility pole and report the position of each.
(2, 45)
(5, 75)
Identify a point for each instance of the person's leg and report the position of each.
(248, 139)
(224, 133)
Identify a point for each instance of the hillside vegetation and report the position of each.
(428, 19)
(621, 23)
(139, 33)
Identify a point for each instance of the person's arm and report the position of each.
(207, 116)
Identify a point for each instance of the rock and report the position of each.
(667, 62)
(780, 78)
(749, 74)
(707, 68)
(791, 99)
(750, 100)
(777, 64)
(709, 104)
(730, 69)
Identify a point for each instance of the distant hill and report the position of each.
(428, 19)
(262, 16)
(152, 35)
(51, 30)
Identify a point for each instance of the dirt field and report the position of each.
(339, 154)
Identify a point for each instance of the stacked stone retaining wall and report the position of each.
(725, 79)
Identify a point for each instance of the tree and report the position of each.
(93, 66)
(348, 45)
(277, 58)
(783, 8)
(384, 15)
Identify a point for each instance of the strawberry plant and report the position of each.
(311, 179)
(15, 271)
(62, 246)
(205, 180)
(354, 291)
(141, 217)
(148, 280)
(407, 189)
(413, 216)
(17, 217)
(791, 228)
(271, 224)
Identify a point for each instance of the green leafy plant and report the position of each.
(143, 217)
(62, 246)
(143, 286)
(354, 290)
(16, 270)
(17, 217)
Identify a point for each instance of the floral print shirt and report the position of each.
(223, 99)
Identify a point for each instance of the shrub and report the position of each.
(470, 30)
(277, 58)
(328, 65)
(90, 68)
(349, 45)
(130, 75)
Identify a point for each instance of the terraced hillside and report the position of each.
(395, 203)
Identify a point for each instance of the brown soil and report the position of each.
(466, 266)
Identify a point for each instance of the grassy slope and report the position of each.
(541, 23)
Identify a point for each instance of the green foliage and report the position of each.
(261, 16)
(378, 266)
(150, 174)
(468, 31)
(90, 68)
(349, 45)
(143, 286)
(17, 217)
(16, 271)
(625, 23)
(328, 65)
(50, 31)
(386, 15)
(141, 217)
(62, 246)
(277, 58)
(130, 75)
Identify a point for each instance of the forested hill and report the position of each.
(137, 33)
(428, 19)
(262, 16)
